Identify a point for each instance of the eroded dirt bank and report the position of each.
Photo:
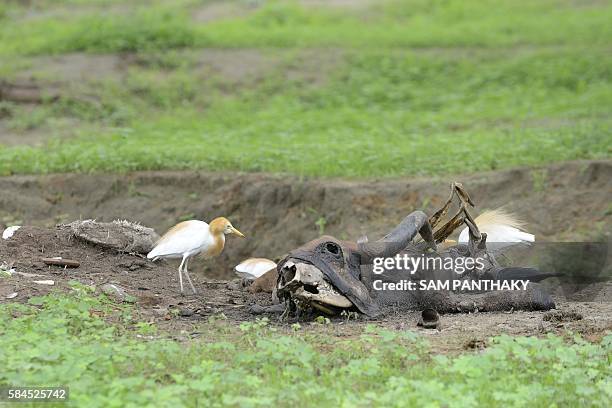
(569, 201)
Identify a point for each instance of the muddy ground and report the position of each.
(153, 287)
(569, 201)
(561, 202)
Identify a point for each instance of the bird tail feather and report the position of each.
(499, 217)
(500, 226)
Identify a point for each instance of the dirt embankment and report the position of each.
(569, 201)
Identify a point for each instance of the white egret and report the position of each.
(190, 238)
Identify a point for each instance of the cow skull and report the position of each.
(306, 286)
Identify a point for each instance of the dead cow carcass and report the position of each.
(330, 275)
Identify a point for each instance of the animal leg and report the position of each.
(415, 223)
(195, 292)
(462, 216)
(180, 271)
(402, 235)
(435, 219)
(533, 298)
(456, 190)
(258, 309)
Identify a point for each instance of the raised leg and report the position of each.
(435, 219)
(456, 190)
(396, 240)
(195, 292)
(180, 271)
(451, 225)
(461, 217)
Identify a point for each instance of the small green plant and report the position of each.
(539, 179)
(5, 271)
(256, 326)
(321, 221)
(425, 203)
(146, 328)
(348, 315)
(322, 320)
(215, 318)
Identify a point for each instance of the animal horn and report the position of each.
(398, 238)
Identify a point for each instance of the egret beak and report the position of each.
(236, 232)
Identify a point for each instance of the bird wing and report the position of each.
(500, 227)
(254, 267)
(184, 237)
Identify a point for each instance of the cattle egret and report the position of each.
(190, 238)
(253, 268)
(501, 227)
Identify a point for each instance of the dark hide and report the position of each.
(348, 267)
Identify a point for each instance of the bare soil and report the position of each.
(154, 289)
(216, 11)
(31, 137)
(151, 284)
(561, 202)
(278, 213)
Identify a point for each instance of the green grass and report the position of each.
(109, 359)
(381, 113)
(417, 23)
(409, 87)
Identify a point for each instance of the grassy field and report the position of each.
(50, 342)
(380, 89)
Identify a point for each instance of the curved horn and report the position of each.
(398, 238)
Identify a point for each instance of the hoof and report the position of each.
(258, 309)
(541, 300)
(430, 319)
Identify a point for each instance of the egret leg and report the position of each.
(195, 292)
(180, 271)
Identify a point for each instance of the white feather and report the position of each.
(10, 231)
(185, 239)
(254, 267)
(502, 229)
